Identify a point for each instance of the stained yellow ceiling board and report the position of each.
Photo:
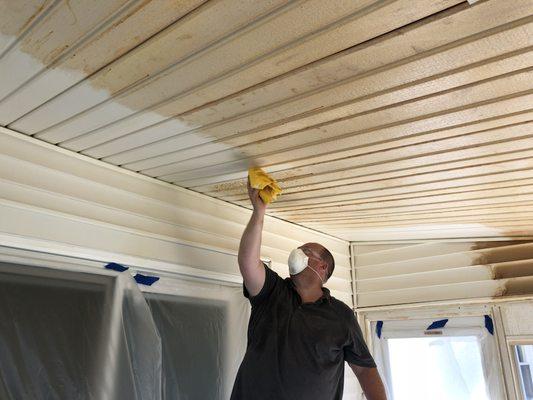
(297, 35)
(48, 37)
(235, 189)
(480, 197)
(474, 143)
(527, 225)
(502, 219)
(63, 26)
(519, 228)
(251, 140)
(443, 235)
(413, 184)
(409, 178)
(343, 157)
(390, 48)
(426, 204)
(171, 46)
(18, 16)
(445, 209)
(358, 224)
(421, 193)
(340, 134)
(514, 225)
(400, 188)
(522, 186)
(396, 115)
(298, 112)
(408, 43)
(438, 217)
(256, 142)
(134, 23)
(345, 167)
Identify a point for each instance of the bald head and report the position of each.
(322, 253)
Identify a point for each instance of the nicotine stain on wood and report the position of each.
(438, 271)
(381, 119)
(513, 264)
(513, 269)
(518, 286)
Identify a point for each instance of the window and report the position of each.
(437, 368)
(439, 360)
(524, 357)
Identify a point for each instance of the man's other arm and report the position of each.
(370, 382)
(250, 264)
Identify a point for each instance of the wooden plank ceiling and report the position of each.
(381, 119)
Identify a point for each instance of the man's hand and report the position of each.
(257, 202)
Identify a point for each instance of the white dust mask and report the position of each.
(298, 261)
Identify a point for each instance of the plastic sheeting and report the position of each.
(456, 360)
(67, 335)
(203, 334)
(69, 332)
(193, 336)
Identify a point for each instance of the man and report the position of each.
(298, 336)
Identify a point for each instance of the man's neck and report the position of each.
(309, 291)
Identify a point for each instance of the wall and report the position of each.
(436, 271)
(57, 201)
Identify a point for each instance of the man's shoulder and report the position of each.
(341, 305)
(278, 283)
(342, 308)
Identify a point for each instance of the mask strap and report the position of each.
(319, 277)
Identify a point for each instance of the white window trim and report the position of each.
(511, 342)
(437, 311)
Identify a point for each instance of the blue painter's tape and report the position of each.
(441, 323)
(145, 279)
(379, 327)
(116, 267)
(489, 324)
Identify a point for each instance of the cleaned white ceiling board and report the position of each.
(381, 119)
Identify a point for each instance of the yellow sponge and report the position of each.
(268, 187)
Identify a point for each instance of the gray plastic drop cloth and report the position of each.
(192, 332)
(70, 335)
(203, 336)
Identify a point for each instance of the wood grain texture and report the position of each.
(381, 119)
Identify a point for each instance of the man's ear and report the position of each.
(324, 266)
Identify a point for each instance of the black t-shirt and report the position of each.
(297, 351)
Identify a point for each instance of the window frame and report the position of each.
(512, 342)
(436, 311)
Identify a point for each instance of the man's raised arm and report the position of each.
(370, 382)
(250, 264)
